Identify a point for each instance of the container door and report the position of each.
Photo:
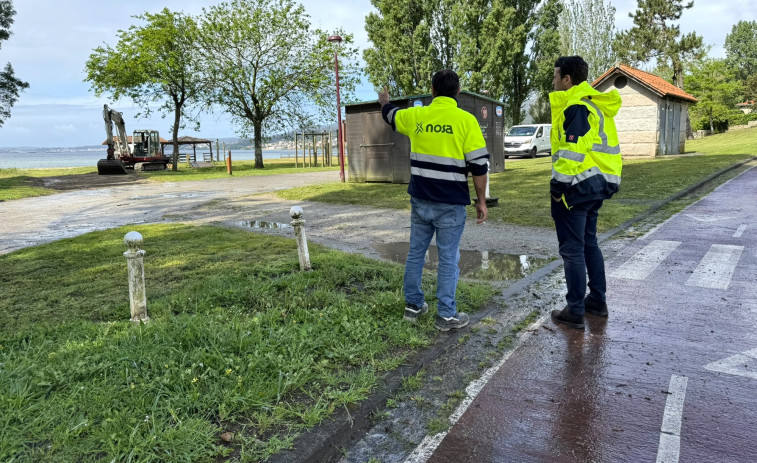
(376, 147)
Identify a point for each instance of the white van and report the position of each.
(527, 140)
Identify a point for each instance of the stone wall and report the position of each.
(638, 121)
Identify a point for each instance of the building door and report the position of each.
(662, 145)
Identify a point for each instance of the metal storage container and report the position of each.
(375, 153)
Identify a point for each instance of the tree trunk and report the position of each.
(175, 136)
(712, 127)
(258, 129)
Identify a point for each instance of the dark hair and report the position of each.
(573, 66)
(446, 83)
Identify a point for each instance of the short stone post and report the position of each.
(299, 233)
(135, 265)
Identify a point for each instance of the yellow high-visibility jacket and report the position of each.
(586, 159)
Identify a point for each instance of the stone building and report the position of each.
(652, 119)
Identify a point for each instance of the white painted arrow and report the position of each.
(735, 364)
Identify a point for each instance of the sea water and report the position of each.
(40, 158)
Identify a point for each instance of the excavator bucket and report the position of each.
(110, 167)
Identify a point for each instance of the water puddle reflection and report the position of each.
(479, 265)
(262, 224)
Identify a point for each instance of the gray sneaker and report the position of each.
(458, 321)
(412, 312)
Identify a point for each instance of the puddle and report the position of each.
(261, 224)
(480, 265)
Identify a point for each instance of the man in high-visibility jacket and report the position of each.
(586, 166)
(446, 144)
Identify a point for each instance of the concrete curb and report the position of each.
(325, 442)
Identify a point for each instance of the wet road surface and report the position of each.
(670, 376)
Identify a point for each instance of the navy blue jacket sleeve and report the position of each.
(385, 110)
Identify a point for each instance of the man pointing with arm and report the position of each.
(446, 144)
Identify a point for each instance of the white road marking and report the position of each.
(670, 433)
(717, 267)
(645, 260)
(426, 448)
(736, 364)
(739, 230)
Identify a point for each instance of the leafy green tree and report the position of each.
(741, 48)
(268, 68)
(713, 83)
(545, 48)
(653, 36)
(403, 55)
(152, 63)
(751, 87)
(587, 29)
(10, 86)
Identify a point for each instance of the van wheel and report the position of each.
(533, 152)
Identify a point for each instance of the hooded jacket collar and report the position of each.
(608, 103)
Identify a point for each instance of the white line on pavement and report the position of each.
(716, 268)
(645, 260)
(426, 448)
(739, 230)
(670, 433)
(736, 364)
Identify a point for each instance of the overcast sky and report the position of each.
(52, 40)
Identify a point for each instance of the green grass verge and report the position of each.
(239, 169)
(523, 188)
(21, 183)
(240, 341)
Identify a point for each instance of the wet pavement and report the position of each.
(669, 376)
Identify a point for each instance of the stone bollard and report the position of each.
(299, 233)
(136, 268)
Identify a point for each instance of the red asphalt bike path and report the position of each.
(670, 376)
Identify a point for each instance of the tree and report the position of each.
(545, 48)
(269, 69)
(152, 63)
(652, 36)
(10, 86)
(587, 29)
(741, 48)
(403, 56)
(713, 83)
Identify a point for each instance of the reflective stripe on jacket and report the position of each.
(586, 159)
(445, 144)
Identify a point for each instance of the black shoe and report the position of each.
(458, 321)
(412, 312)
(565, 317)
(595, 307)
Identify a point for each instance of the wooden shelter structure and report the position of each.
(190, 141)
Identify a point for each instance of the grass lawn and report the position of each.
(523, 188)
(240, 341)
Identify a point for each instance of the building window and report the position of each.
(621, 82)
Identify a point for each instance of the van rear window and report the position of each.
(522, 131)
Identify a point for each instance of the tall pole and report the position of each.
(336, 38)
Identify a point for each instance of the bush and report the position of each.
(739, 118)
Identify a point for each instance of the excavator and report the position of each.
(145, 154)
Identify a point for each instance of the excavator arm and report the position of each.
(112, 165)
(114, 117)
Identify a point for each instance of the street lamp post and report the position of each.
(338, 39)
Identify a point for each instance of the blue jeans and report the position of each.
(577, 236)
(448, 222)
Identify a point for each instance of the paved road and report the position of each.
(32, 221)
(670, 376)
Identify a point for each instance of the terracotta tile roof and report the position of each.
(746, 103)
(657, 84)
